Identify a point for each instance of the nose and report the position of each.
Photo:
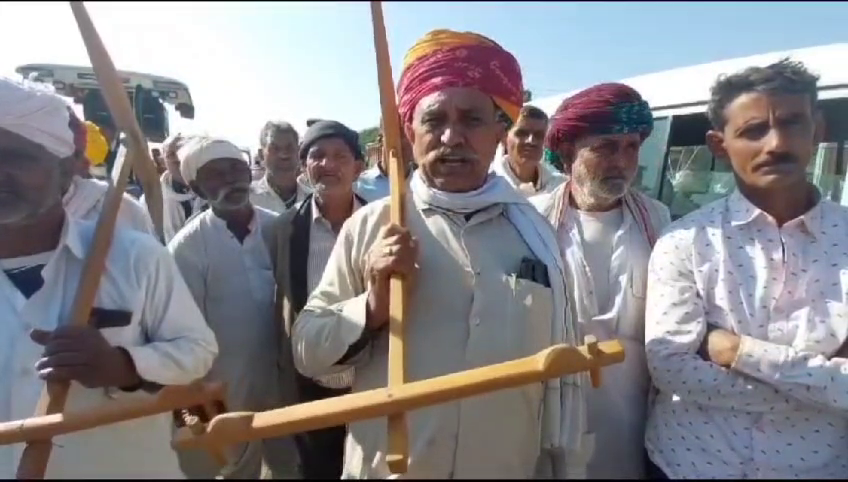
(778, 140)
(453, 135)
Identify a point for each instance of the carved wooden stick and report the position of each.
(167, 400)
(553, 362)
(398, 436)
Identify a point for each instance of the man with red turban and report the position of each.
(606, 230)
(476, 251)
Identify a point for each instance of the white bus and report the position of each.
(676, 167)
(148, 94)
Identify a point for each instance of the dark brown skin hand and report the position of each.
(394, 252)
(83, 355)
(720, 346)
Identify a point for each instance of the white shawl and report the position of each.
(564, 410)
(547, 181)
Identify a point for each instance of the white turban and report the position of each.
(200, 150)
(33, 111)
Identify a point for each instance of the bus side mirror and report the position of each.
(186, 110)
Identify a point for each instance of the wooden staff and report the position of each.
(36, 454)
(119, 107)
(398, 437)
(168, 399)
(553, 362)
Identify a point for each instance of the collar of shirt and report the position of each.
(317, 217)
(251, 227)
(741, 212)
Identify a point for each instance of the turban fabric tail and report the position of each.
(444, 59)
(603, 109)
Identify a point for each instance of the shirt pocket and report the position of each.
(531, 316)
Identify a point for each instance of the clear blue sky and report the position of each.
(248, 62)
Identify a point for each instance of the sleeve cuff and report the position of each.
(148, 369)
(759, 359)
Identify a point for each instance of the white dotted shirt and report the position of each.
(781, 411)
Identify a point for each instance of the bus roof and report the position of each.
(63, 77)
(687, 89)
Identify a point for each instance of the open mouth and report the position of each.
(453, 161)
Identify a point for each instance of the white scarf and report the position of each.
(564, 410)
(547, 179)
(638, 213)
(175, 217)
(84, 196)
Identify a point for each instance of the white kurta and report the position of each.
(618, 408)
(262, 195)
(84, 200)
(467, 310)
(233, 283)
(167, 339)
(547, 180)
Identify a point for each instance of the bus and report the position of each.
(675, 165)
(149, 95)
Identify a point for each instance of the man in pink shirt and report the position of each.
(747, 301)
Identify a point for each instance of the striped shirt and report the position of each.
(322, 238)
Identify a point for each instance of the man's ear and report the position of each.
(820, 126)
(715, 143)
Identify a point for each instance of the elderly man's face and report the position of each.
(280, 156)
(225, 183)
(331, 166)
(455, 134)
(32, 179)
(605, 165)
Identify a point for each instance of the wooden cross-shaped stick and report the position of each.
(36, 455)
(554, 362)
(400, 396)
(398, 437)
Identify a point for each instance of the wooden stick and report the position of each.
(167, 400)
(36, 455)
(398, 436)
(553, 362)
(119, 107)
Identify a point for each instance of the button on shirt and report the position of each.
(780, 410)
(166, 337)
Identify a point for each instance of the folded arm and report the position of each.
(809, 377)
(675, 326)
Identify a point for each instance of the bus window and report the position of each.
(151, 114)
(651, 156)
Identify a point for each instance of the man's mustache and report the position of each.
(226, 191)
(452, 154)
